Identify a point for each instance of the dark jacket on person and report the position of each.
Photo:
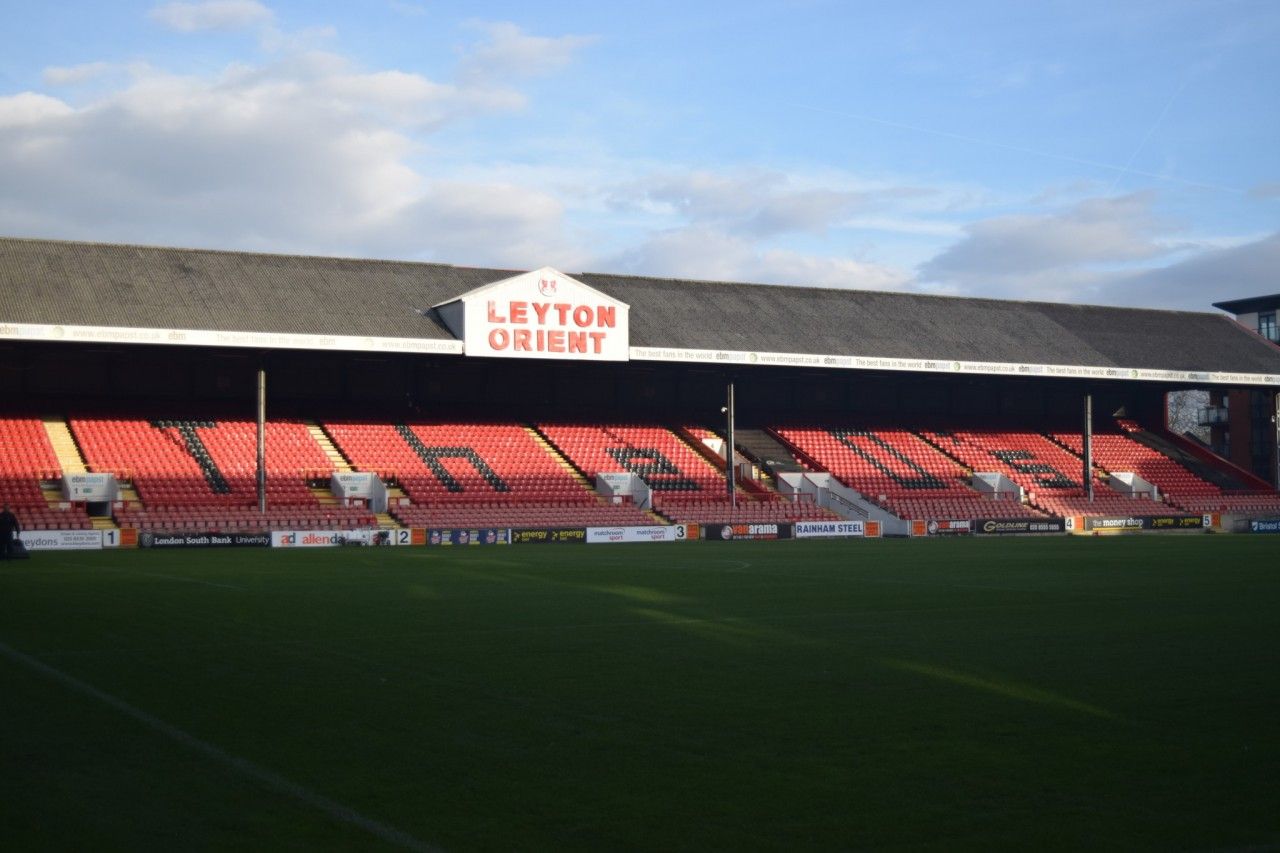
(8, 525)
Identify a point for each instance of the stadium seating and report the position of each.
(26, 459)
(654, 453)
(52, 518)
(522, 515)
(900, 472)
(749, 510)
(1050, 474)
(687, 487)
(1114, 450)
(203, 462)
(229, 519)
(477, 475)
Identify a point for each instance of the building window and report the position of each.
(1267, 326)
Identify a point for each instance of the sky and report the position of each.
(1118, 152)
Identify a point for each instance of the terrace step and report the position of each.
(771, 455)
(331, 451)
(52, 493)
(562, 460)
(323, 495)
(64, 445)
(100, 522)
(386, 522)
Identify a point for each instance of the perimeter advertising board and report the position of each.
(829, 529)
(941, 527)
(1145, 522)
(334, 538)
(542, 535)
(61, 540)
(1264, 525)
(204, 540)
(469, 536)
(728, 532)
(1018, 526)
(654, 533)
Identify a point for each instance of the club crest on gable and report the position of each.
(547, 286)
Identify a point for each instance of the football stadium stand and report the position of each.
(433, 377)
(686, 486)
(477, 474)
(1115, 451)
(202, 462)
(27, 460)
(899, 471)
(226, 519)
(1050, 474)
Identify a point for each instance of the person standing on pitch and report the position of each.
(9, 530)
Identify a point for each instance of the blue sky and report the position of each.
(1121, 152)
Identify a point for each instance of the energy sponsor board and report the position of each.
(204, 540)
(61, 540)
(540, 535)
(1264, 525)
(1145, 522)
(652, 533)
(1018, 526)
(829, 529)
(468, 536)
(727, 532)
(332, 538)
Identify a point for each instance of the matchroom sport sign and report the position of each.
(539, 314)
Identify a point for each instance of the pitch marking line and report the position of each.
(268, 778)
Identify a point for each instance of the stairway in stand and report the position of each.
(71, 462)
(340, 462)
(770, 454)
(561, 459)
(64, 445)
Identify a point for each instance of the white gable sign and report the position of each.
(540, 314)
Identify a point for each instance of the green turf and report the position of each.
(1119, 693)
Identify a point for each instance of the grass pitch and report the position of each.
(1019, 694)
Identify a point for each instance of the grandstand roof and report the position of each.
(1249, 304)
(160, 294)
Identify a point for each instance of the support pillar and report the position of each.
(1088, 446)
(730, 475)
(262, 441)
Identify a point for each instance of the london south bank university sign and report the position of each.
(539, 314)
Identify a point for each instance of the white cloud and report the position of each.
(71, 75)
(32, 110)
(220, 15)
(511, 52)
(1197, 282)
(305, 153)
(761, 204)
(706, 253)
(1067, 255)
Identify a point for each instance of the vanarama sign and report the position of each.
(539, 314)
